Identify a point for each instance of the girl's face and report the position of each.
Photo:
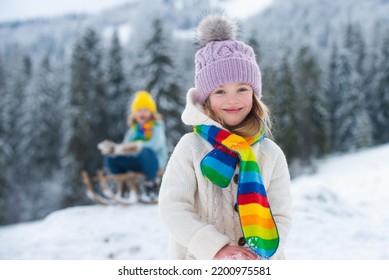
(142, 115)
(232, 102)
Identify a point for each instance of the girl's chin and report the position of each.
(231, 125)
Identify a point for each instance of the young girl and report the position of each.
(144, 146)
(226, 190)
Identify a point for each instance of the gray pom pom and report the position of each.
(215, 28)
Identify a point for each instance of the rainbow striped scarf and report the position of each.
(143, 132)
(218, 166)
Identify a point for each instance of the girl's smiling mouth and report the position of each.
(232, 110)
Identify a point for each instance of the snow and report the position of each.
(124, 32)
(88, 232)
(339, 213)
(243, 9)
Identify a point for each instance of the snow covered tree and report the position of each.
(333, 98)
(159, 76)
(253, 42)
(355, 45)
(76, 129)
(97, 99)
(348, 122)
(39, 144)
(381, 106)
(311, 105)
(348, 102)
(14, 111)
(3, 145)
(373, 102)
(25, 123)
(285, 109)
(41, 122)
(117, 91)
(86, 120)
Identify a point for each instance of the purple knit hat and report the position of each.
(222, 59)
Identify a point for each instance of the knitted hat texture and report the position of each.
(222, 59)
(143, 100)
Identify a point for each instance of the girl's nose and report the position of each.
(231, 97)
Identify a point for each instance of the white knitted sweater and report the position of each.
(200, 216)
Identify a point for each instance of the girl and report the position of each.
(226, 190)
(144, 145)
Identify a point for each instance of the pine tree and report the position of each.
(41, 121)
(117, 91)
(75, 128)
(333, 98)
(309, 96)
(161, 78)
(97, 99)
(286, 109)
(253, 42)
(3, 145)
(14, 113)
(373, 102)
(355, 45)
(347, 119)
(13, 103)
(381, 110)
(87, 122)
(348, 102)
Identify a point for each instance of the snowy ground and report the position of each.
(340, 213)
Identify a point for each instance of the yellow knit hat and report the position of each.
(143, 99)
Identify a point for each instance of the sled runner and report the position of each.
(110, 189)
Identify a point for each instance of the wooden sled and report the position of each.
(92, 194)
(116, 188)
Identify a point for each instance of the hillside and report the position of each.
(310, 92)
(315, 22)
(340, 212)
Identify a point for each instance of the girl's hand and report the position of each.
(235, 253)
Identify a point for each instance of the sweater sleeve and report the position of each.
(178, 209)
(127, 137)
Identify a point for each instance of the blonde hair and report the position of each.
(255, 121)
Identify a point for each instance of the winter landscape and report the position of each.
(325, 68)
(341, 212)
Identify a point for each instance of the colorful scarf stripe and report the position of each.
(143, 132)
(218, 166)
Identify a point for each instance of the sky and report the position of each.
(27, 9)
(341, 212)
